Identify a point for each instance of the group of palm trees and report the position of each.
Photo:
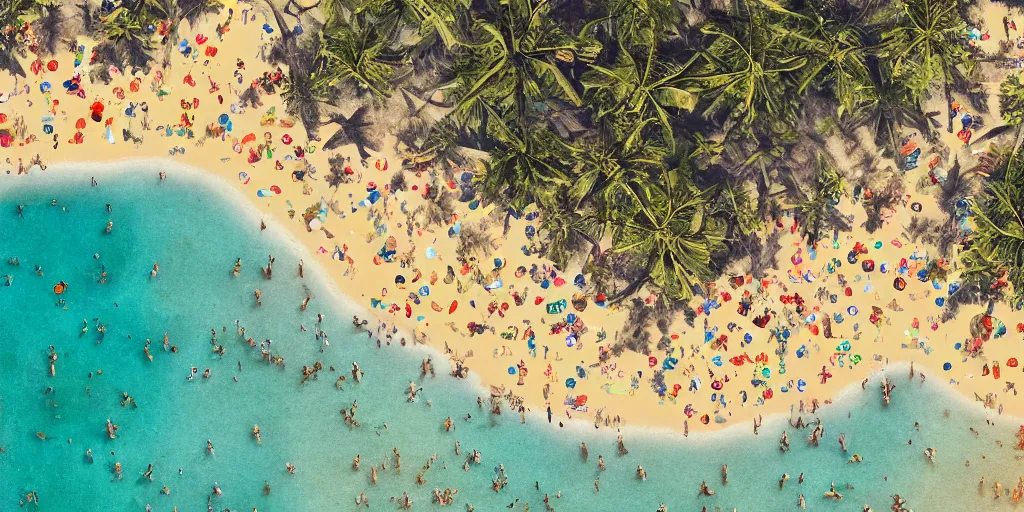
(670, 130)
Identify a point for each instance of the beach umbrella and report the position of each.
(52, 65)
(399, 279)
(80, 124)
(45, 87)
(223, 119)
(424, 291)
(570, 383)
(48, 129)
(454, 305)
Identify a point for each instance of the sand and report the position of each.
(606, 388)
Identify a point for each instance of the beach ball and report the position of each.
(947, 366)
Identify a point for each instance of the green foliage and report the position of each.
(668, 229)
(816, 208)
(926, 42)
(997, 243)
(359, 50)
(585, 107)
(514, 58)
(1011, 100)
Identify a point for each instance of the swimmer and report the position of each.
(783, 480)
(256, 434)
(930, 453)
(705, 490)
(155, 271)
(600, 463)
(832, 494)
(290, 467)
(209, 447)
(259, 297)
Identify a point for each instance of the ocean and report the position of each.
(195, 227)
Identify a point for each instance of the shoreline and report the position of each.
(620, 386)
(220, 186)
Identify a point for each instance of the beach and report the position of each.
(205, 170)
(174, 415)
(607, 386)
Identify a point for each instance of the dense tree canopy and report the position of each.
(659, 128)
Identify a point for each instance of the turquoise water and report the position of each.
(195, 234)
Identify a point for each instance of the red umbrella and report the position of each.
(80, 124)
(52, 65)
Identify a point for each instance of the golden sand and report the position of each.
(607, 387)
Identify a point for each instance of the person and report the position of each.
(705, 490)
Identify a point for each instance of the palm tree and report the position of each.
(997, 244)
(1011, 108)
(642, 86)
(888, 105)
(667, 228)
(49, 27)
(514, 58)
(609, 163)
(525, 167)
(926, 45)
(129, 33)
(432, 20)
(751, 68)
(193, 10)
(358, 49)
(12, 14)
(301, 97)
(566, 232)
(641, 22)
(816, 210)
(838, 53)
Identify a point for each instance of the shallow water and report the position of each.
(195, 233)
